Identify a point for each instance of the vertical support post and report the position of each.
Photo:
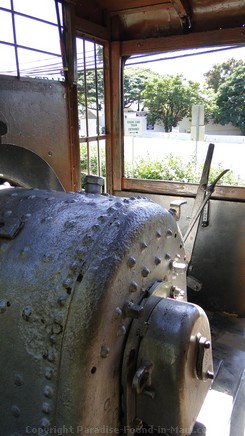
(71, 87)
(116, 126)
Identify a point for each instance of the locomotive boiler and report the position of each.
(97, 335)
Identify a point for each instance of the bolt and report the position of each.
(18, 381)
(48, 391)
(15, 411)
(131, 261)
(104, 351)
(121, 331)
(44, 423)
(143, 245)
(46, 408)
(26, 312)
(3, 305)
(132, 310)
(157, 260)
(133, 287)
(176, 292)
(117, 313)
(158, 233)
(145, 272)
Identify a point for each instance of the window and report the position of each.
(30, 38)
(175, 104)
(91, 107)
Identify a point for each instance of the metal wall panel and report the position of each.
(35, 112)
(218, 260)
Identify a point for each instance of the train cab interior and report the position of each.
(75, 119)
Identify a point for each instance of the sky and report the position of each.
(192, 67)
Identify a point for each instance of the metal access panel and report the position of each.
(35, 113)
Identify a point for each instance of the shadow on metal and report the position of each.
(23, 167)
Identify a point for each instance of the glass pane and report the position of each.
(5, 4)
(175, 104)
(44, 9)
(34, 64)
(90, 88)
(7, 60)
(6, 30)
(34, 34)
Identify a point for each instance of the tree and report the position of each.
(134, 83)
(231, 100)
(216, 76)
(169, 99)
(93, 83)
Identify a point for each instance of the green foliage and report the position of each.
(216, 76)
(173, 168)
(134, 83)
(169, 99)
(93, 161)
(231, 100)
(91, 84)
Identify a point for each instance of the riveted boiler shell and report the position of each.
(69, 262)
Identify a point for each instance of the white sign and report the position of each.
(134, 126)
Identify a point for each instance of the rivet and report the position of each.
(25, 217)
(131, 261)
(167, 256)
(80, 254)
(158, 233)
(102, 218)
(143, 245)
(177, 257)
(157, 260)
(48, 391)
(24, 252)
(62, 299)
(3, 305)
(133, 286)
(68, 225)
(18, 380)
(118, 204)
(96, 227)
(46, 408)
(132, 310)
(3, 248)
(68, 282)
(44, 423)
(169, 233)
(8, 213)
(53, 339)
(104, 351)
(132, 198)
(48, 373)
(58, 317)
(117, 313)
(26, 312)
(47, 258)
(121, 331)
(145, 272)
(75, 266)
(126, 200)
(111, 210)
(51, 356)
(15, 411)
(87, 240)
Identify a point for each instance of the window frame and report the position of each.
(209, 39)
